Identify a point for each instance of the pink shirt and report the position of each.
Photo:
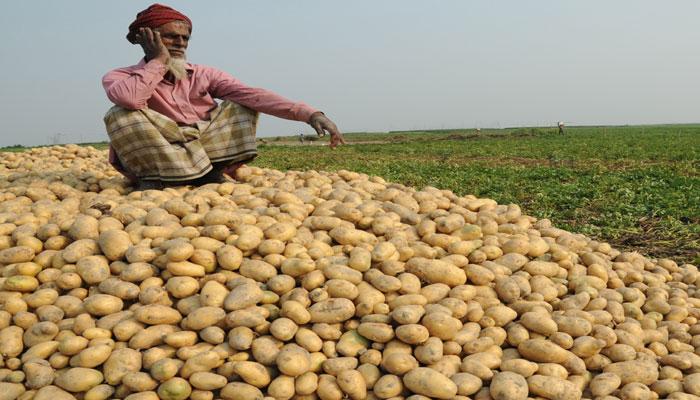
(191, 98)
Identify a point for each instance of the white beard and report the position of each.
(176, 66)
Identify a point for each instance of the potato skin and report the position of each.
(430, 383)
(79, 379)
(553, 387)
(508, 385)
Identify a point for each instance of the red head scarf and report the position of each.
(153, 17)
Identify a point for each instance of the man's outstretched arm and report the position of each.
(224, 86)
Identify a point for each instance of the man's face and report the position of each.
(175, 36)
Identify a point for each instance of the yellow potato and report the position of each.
(78, 379)
(430, 383)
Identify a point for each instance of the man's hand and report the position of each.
(152, 45)
(321, 124)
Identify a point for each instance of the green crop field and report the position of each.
(636, 187)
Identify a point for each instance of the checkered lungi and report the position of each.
(151, 146)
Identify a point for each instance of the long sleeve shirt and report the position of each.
(192, 98)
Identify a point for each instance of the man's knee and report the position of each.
(236, 109)
(117, 114)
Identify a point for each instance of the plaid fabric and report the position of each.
(152, 146)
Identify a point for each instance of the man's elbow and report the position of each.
(126, 102)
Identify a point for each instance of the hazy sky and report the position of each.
(371, 65)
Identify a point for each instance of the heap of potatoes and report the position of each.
(315, 285)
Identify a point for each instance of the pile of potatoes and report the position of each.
(316, 285)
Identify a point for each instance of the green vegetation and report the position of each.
(637, 187)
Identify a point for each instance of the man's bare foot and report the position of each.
(231, 169)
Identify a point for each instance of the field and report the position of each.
(636, 187)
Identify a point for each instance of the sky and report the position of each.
(371, 65)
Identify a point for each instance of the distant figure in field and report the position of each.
(166, 127)
(478, 131)
(301, 138)
(561, 127)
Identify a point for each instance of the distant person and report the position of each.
(478, 131)
(301, 138)
(561, 127)
(166, 126)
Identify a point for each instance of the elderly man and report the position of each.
(166, 127)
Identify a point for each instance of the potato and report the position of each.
(102, 304)
(242, 296)
(376, 332)
(306, 383)
(38, 373)
(139, 382)
(52, 393)
(436, 271)
(11, 390)
(11, 342)
(20, 283)
(412, 333)
(641, 371)
(165, 368)
(78, 379)
(388, 386)
(441, 325)
(229, 257)
(114, 244)
(293, 360)
(353, 384)
(604, 384)
(120, 363)
(508, 385)
(539, 322)
(540, 350)
(182, 286)
(186, 268)
(553, 388)
(174, 389)
(398, 363)
(207, 381)
(92, 356)
(467, 384)
(252, 373)
(149, 395)
(430, 383)
(281, 387)
(157, 314)
(203, 317)
(93, 269)
(100, 392)
(240, 391)
(332, 310)
(16, 254)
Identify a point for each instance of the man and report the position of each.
(166, 127)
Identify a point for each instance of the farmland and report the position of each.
(637, 187)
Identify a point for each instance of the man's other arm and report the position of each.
(131, 88)
(226, 87)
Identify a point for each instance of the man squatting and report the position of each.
(166, 128)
